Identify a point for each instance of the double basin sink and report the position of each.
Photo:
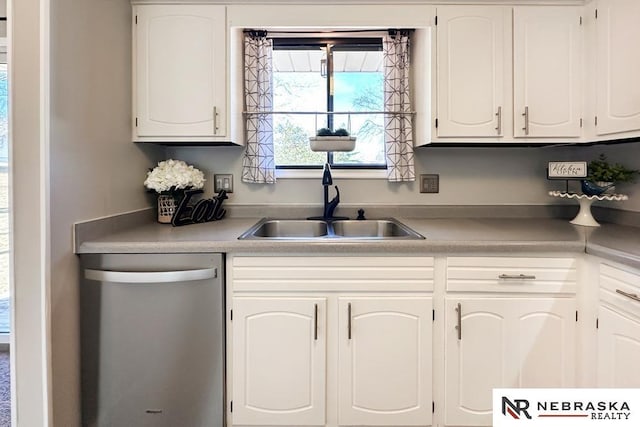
(300, 229)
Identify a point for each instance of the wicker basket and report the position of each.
(166, 208)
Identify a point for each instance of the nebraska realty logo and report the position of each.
(566, 407)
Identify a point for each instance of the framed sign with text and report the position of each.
(567, 170)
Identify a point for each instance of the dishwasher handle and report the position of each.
(150, 276)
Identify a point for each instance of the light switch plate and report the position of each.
(430, 183)
(223, 182)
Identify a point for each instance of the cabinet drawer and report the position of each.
(511, 274)
(328, 273)
(620, 288)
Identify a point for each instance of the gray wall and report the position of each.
(629, 156)
(468, 176)
(95, 170)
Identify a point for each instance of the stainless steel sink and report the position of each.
(288, 229)
(295, 229)
(378, 228)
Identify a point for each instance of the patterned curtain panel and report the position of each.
(398, 129)
(258, 165)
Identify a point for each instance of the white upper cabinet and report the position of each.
(471, 70)
(179, 72)
(618, 66)
(481, 51)
(547, 71)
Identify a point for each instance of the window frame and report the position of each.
(329, 44)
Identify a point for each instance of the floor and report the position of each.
(5, 390)
(4, 248)
(5, 313)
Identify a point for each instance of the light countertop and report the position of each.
(446, 236)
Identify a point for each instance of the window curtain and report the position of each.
(258, 164)
(398, 129)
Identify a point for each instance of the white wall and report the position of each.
(468, 176)
(29, 357)
(95, 168)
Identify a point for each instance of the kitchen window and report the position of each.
(338, 75)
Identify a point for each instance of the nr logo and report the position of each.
(516, 409)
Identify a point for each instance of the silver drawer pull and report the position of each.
(349, 321)
(315, 322)
(517, 276)
(526, 120)
(215, 120)
(499, 116)
(459, 325)
(634, 297)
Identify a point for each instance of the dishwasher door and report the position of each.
(153, 340)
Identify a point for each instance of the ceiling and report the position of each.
(309, 61)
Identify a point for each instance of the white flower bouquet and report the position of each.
(171, 176)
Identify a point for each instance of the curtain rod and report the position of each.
(322, 113)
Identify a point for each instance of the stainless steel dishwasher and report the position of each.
(152, 340)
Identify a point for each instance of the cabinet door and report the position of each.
(179, 70)
(542, 342)
(618, 66)
(503, 343)
(385, 361)
(547, 71)
(476, 358)
(471, 70)
(279, 350)
(618, 350)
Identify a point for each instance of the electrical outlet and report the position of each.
(430, 183)
(223, 182)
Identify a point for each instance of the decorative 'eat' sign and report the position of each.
(204, 210)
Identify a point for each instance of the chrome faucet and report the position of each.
(329, 205)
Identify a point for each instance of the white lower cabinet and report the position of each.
(509, 323)
(316, 342)
(618, 350)
(384, 356)
(619, 328)
(348, 341)
(279, 360)
(383, 352)
(504, 343)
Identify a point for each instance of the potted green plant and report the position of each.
(602, 176)
(328, 140)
